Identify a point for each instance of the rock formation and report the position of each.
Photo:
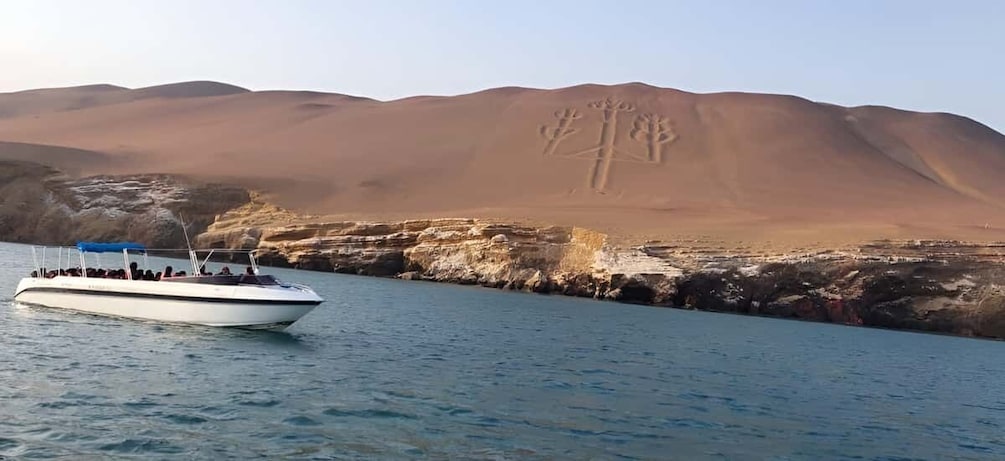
(948, 287)
(942, 286)
(42, 205)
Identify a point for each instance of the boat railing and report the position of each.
(41, 256)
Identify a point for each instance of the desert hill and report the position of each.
(634, 160)
(35, 102)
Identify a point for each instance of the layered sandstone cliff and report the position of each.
(946, 286)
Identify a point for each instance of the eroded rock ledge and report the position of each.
(42, 205)
(950, 287)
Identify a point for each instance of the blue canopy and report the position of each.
(95, 247)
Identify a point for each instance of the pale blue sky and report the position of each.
(921, 55)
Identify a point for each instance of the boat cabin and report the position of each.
(131, 270)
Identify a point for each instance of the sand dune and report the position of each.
(37, 102)
(635, 160)
(71, 161)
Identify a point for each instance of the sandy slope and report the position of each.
(730, 166)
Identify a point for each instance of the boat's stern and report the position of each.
(24, 283)
(24, 291)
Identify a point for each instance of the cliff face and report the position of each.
(41, 205)
(961, 296)
(933, 286)
(943, 286)
(552, 259)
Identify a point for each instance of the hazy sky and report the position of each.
(919, 54)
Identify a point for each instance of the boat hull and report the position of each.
(248, 307)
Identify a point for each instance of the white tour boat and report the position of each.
(248, 299)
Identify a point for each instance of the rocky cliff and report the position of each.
(941, 286)
(45, 206)
(945, 286)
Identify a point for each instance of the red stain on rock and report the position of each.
(839, 312)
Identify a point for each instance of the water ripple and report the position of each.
(368, 413)
(394, 370)
(142, 446)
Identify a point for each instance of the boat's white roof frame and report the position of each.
(192, 253)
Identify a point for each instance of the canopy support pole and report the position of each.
(125, 262)
(34, 258)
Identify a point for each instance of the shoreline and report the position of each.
(942, 286)
(954, 286)
(666, 290)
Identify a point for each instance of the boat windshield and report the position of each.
(258, 280)
(241, 279)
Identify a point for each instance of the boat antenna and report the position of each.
(188, 244)
(185, 231)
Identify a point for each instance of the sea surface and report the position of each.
(388, 369)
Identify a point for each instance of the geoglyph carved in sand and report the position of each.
(652, 130)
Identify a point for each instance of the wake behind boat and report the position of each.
(249, 300)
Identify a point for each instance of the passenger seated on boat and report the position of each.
(134, 271)
(34, 274)
(158, 276)
(181, 274)
(168, 272)
(149, 275)
(249, 271)
(225, 271)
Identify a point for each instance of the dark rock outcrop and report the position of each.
(962, 296)
(39, 204)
